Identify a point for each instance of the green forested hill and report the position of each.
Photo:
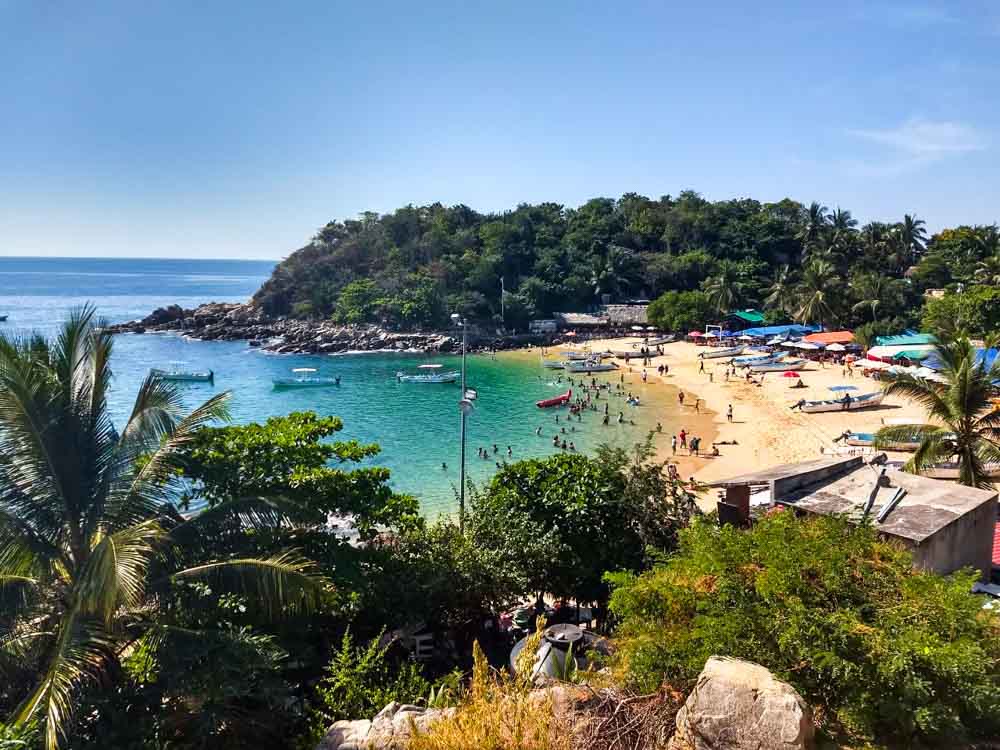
(412, 267)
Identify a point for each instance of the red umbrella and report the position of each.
(790, 374)
(696, 334)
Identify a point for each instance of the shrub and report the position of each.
(888, 653)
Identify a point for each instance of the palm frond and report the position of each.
(281, 585)
(115, 574)
(933, 449)
(79, 655)
(886, 437)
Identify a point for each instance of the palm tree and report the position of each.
(814, 221)
(817, 293)
(965, 422)
(870, 289)
(781, 291)
(911, 238)
(725, 288)
(988, 270)
(85, 519)
(611, 274)
(842, 221)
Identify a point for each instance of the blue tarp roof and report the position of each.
(780, 330)
(986, 356)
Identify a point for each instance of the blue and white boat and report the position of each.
(178, 375)
(430, 375)
(780, 365)
(304, 378)
(728, 351)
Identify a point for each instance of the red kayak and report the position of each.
(557, 401)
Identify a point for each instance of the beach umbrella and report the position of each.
(711, 335)
(806, 345)
(570, 333)
(836, 348)
(638, 328)
(745, 337)
(650, 328)
(696, 334)
(790, 374)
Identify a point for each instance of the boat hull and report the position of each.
(779, 366)
(729, 351)
(183, 377)
(583, 367)
(304, 382)
(550, 365)
(555, 401)
(867, 401)
(447, 377)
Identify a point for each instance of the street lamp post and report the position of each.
(464, 406)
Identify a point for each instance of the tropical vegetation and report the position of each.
(963, 414)
(887, 653)
(414, 266)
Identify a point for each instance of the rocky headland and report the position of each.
(222, 321)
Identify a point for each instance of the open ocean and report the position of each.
(416, 425)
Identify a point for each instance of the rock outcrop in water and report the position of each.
(218, 321)
(228, 321)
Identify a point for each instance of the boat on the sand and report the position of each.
(726, 351)
(780, 365)
(304, 378)
(564, 398)
(867, 401)
(591, 365)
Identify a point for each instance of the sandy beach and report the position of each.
(764, 430)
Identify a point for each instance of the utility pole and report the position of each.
(464, 406)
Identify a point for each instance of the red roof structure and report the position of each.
(830, 337)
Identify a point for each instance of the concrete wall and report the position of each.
(966, 542)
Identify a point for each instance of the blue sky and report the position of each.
(235, 129)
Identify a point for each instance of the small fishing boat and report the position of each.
(866, 401)
(564, 398)
(304, 378)
(177, 375)
(725, 351)
(591, 365)
(661, 340)
(867, 439)
(430, 375)
(780, 365)
(553, 364)
(574, 356)
(757, 359)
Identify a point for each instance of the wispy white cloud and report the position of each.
(914, 144)
(906, 15)
(920, 137)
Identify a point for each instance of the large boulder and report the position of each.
(391, 729)
(739, 705)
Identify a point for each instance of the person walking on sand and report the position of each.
(697, 410)
(701, 366)
(684, 438)
(673, 445)
(680, 397)
(729, 413)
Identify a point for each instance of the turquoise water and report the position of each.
(417, 425)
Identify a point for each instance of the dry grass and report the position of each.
(499, 713)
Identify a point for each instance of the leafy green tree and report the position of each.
(85, 519)
(890, 654)
(560, 523)
(680, 311)
(781, 292)
(975, 311)
(357, 302)
(964, 423)
(289, 457)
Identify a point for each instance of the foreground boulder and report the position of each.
(391, 729)
(739, 705)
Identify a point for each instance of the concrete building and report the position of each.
(945, 525)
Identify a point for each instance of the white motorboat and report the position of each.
(431, 374)
(847, 403)
(780, 366)
(304, 377)
(726, 351)
(178, 375)
(591, 365)
(553, 364)
(757, 359)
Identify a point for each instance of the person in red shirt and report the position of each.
(684, 437)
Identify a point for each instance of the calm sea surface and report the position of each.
(416, 425)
